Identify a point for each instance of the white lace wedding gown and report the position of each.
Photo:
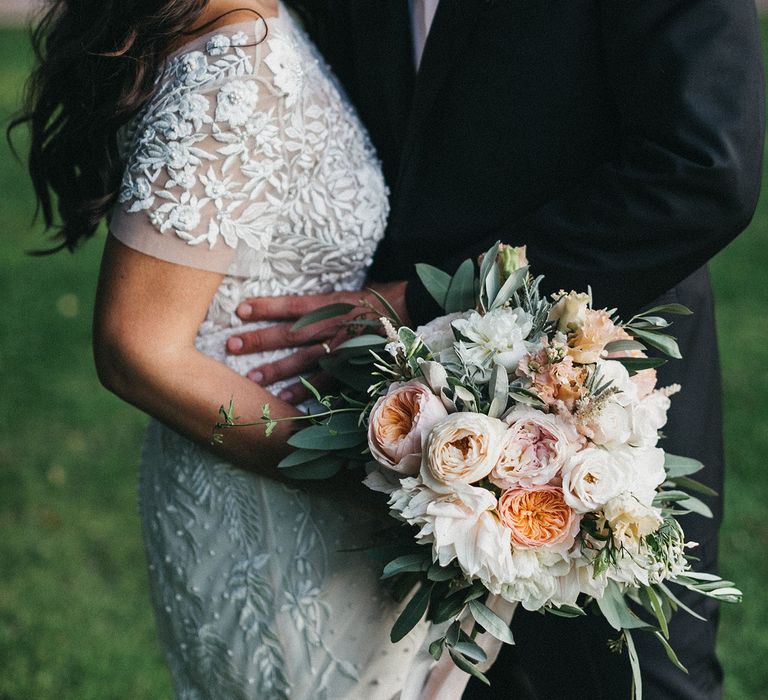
(248, 161)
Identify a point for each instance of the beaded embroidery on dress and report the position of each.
(249, 161)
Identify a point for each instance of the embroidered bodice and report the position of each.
(250, 162)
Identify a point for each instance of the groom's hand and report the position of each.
(315, 340)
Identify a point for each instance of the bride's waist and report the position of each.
(213, 343)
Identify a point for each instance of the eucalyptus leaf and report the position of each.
(490, 622)
(322, 468)
(623, 346)
(701, 576)
(677, 602)
(636, 364)
(368, 340)
(634, 662)
(408, 562)
(471, 650)
(567, 611)
(300, 457)
(678, 309)
(436, 649)
(340, 432)
(685, 482)
(658, 609)
(661, 341)
(512, 284)
(650, 322)
(453, 633)
(412, 614)
(671, 655)
(440, 573)
(697, 506)
(435, 281)
(526, 397)
(490, 259)
(499, 390)
(322, 314)
(447, 608)
(616, 611)
(355, 377)
(467, 666)
(461, 293)
(676, 466)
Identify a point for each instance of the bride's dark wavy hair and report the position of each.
(97, 62)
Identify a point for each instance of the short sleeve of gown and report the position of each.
(203, 161)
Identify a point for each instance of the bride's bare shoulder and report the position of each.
(220, 13)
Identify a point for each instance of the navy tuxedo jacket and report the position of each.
(621, 141)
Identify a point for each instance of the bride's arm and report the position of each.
(147, 315)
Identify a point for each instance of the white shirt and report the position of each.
(422, 14)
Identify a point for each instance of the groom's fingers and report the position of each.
(280, 336)
(301, 361)
(287, 308)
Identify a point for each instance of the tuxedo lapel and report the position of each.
(451, 27)
(384, 54)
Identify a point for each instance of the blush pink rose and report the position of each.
(534, 449)
(539, 517)
(397, 423)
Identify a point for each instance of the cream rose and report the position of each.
(610, 423)
(463, 448)
(399, 421)
(539, 517)
(534, 448)
(569, 310)
(438, 333)
(631, 520)
(648, 417)
(593, 477)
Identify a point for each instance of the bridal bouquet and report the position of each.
(517, 439)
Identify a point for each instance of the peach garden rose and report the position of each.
(464, 448)
(538, 517)
(534, 449)
(587, 344)
(398, 422)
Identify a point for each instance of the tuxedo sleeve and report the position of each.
(687, 80)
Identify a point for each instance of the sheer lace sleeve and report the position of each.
(205, 161)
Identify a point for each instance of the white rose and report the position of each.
(615, 373)
(438, 333)
(534, 582)
(610, 425)
(648, 417)
(534, 448)
(631, 520)
(464, 528)
(462, 449)
(644, 470)
(593, 477)
(497, 337)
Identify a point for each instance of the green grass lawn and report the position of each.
(75, 620)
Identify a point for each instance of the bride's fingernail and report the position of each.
(257, 377)
(244, 310)
(235, 344)
(286, 396)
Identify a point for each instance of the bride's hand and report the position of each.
(314, 341)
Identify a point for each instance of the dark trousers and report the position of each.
(568, 659)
